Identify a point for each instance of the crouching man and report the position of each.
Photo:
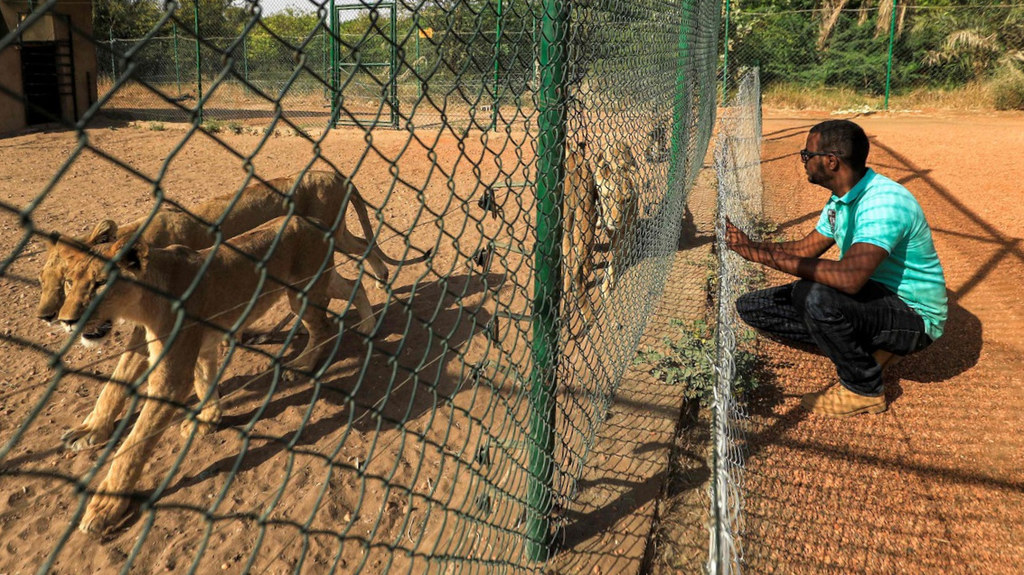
(885, 297)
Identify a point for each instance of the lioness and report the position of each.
(617, 194)
(148, 282)
(579, 217)
(320, 194)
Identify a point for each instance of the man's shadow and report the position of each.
(952, 354)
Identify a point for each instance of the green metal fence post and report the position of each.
(497, 57)
(114, 65)
(199, 64)
(892, 39)
(245, 62)
(394, 67)
(725, 52)
(416, 64)
(546, 285)
(335, 73)
(177, 62)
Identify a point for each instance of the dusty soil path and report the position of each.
(936, 484)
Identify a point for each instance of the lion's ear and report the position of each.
(134, 258)
(103, 233)
(52, 238)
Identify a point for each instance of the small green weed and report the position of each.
(157, 127)
(689, 362)
(213, 126)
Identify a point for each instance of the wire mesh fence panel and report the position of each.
(738, 169)
(904, 54)
(334, 346)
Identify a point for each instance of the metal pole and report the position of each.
(199, 65)
(892, 40)
(551, 124)
(394, 67)
(177, 63)
(416, 64)
(113, 63)
(725, 58)
(245, 62)
(497, 57)
(335, 75)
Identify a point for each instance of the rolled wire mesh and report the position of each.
(738, 170)
(411, 448)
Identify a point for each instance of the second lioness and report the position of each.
(320, 194)
(218, 290)
(617, 190)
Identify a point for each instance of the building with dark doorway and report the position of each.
(47, 62)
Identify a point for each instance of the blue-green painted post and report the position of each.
(547, 283)
(892, 41)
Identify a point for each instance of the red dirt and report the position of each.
(936, 484)
(284, 503)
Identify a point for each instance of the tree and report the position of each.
(124, 18)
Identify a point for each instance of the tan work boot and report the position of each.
(838, 401)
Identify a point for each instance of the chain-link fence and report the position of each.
(879, 55)
(375, 62)
(738, 170)
(439, 424)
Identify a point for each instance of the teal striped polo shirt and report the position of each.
(881, 212)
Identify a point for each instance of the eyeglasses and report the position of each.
(806, 155)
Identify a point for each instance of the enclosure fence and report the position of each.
(532, 195)
(740, 192)
(879, 55)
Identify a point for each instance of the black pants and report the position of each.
(846, 328)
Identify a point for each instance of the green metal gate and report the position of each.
(364, 66)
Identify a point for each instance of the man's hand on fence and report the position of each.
(737, 240)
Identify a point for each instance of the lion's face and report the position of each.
(51, 284)
(55, 268)
(87, 279)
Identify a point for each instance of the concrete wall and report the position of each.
(12, 111)
(52, 26)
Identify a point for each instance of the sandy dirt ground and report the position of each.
(408, 456)
(931, 486)
(934, 485)
(381, 455)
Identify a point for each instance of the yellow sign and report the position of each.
(427, 33)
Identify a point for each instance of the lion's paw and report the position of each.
(205, 424)
(84, 437)
(104, 514)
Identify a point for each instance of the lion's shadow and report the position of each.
(384, 388)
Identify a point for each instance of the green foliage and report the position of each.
(782, 46)
(1008, 90)
(124, 18)
(213, 126)
(264, 44)
(690, 358)
(949, 48)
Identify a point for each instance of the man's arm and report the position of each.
(813, 245)
(801, 258)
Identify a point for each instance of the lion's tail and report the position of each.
(359, 205)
